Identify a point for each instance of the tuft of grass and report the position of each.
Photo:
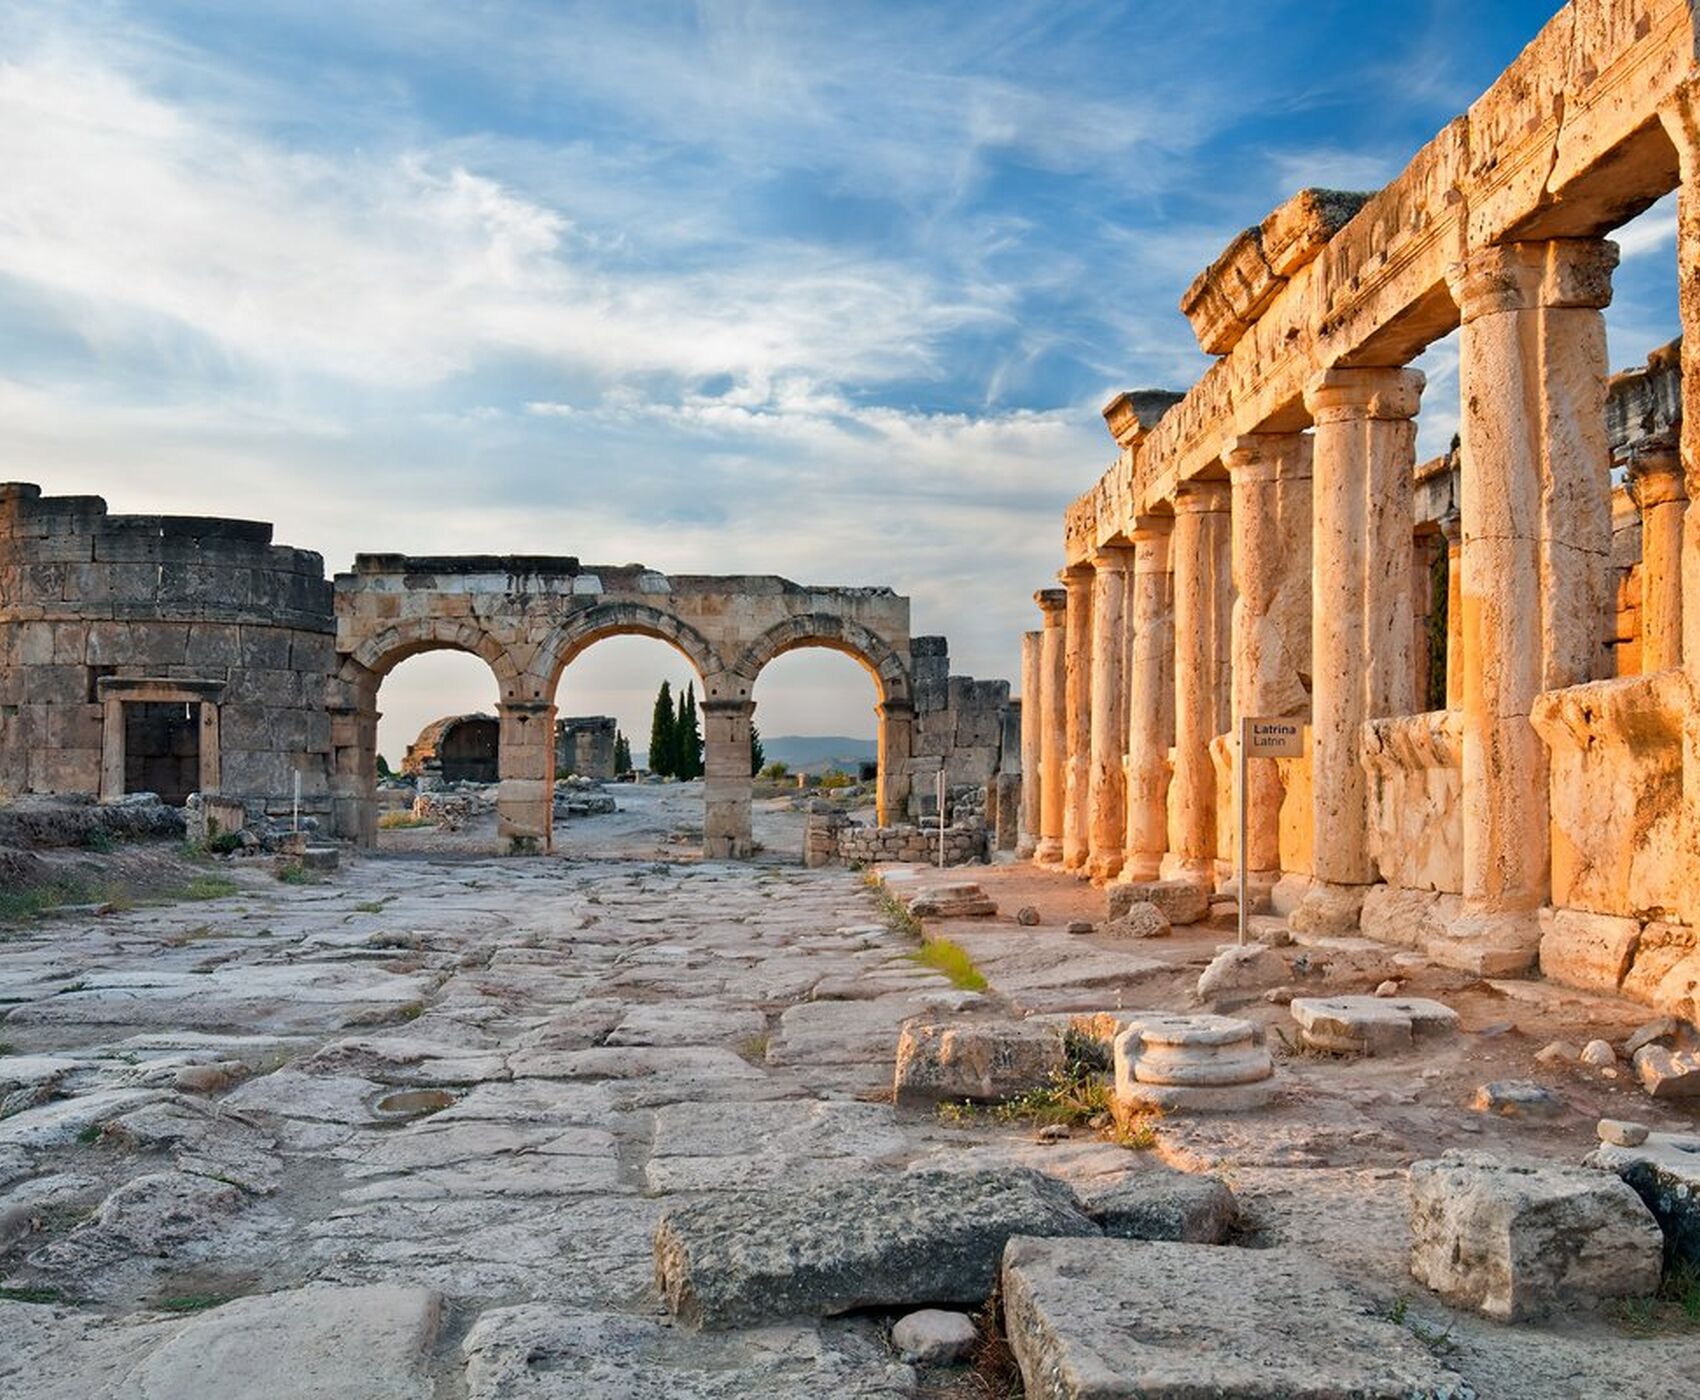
(293, 872)
(1136, 1134)
(754, 1048)
(403, 821)
(953, 961)
(36, 1294)
(412, 1011)
(89, 1134)
(371, 906)
(204, 887)
(7, 1048)
(1675, 1307)
(892, 910)
(101, 842)
(193, 1302)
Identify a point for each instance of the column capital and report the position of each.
(1557, 272)
(1076, 577)
(725, 706)
(1149, 529)
(1112, 558)
(895, 708)
(1346, 393)
(1255, 457)
(1053, 603)
(1202, 497)
(1655, 473)
(525, 709)
(1452, 528)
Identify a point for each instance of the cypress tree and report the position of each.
(622, 754)
(662, 734)
(688, 735)
(757, 757)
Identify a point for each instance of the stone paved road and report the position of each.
(479, 1080)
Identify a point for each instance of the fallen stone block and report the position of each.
(1663, 1169)
(1587, 950)
(1163, 1205)
(1180, 901)
(1620, 1132)
(1141, 919)
(1518, 1098)
(934, 1337)
(956, 901)
(985, 1061)
(1108, 1319)
(1373, 1025)
(1203, 1063)
(873, 1240)
(354, 1343)
(1668, 1074)
(1515, 1240)
(1249, 970)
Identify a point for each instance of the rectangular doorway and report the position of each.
(162, 749)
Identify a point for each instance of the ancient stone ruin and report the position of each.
(188, 654)
(1267, 546)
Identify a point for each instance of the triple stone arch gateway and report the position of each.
(189, 653)
(529, 617)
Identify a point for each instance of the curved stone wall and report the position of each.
(203, 618)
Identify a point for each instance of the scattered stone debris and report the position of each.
(934, 1337)
(1518, 1098)
(1180, 901)
(1370, 1025)
(1027, 916)
(1519, 1240)
(984, 1061)
(963, 900)
(871, 1240)
(1664, 1171)
(1241, 972)
(1668, 1074)
(1139, 919)
(1620, 1132)
(1121, 1319)
(1163, 1205)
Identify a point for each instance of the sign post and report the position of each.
(1260, 738)
(941, 798)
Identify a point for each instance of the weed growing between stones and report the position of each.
(204, 887)
(896, 916)
(953, 961)
(1674, 1308)
(36, 1295)
(754, 1048)
(293, 872)
(993, 1366)
(403, 821)
(193, 1302)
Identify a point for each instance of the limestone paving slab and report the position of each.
(1370, 1025)
(1119, 1319)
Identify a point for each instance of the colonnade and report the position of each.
(1278, 582)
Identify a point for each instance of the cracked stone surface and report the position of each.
(445, 1100)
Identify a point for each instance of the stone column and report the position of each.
(1536, 506)
(525, 760)
(1681, 120)
(1077, 717)
(1451, 529)
(1053, 724)
(1032, 726)
(1363, 454)
(1151, 699)
(1271, 475)
(1107, 830)
(1655, 477)
(896, 742)
(1202, 552)
(726, 778)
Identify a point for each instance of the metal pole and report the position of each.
(297, 804)
(1245, 736)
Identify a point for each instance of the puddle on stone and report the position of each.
(412, 1103)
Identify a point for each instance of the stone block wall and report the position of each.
(972, 726)
(209, 612)
(584, 745)
(832, 839)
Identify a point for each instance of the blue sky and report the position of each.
(828, 291)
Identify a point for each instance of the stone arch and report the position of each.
(882, 661)
(582, 630)
(383, 651)
(889, 670)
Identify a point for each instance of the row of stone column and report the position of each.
(1282, 588)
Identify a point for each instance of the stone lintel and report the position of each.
(1132, 414)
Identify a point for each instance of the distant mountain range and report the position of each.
(811, 753)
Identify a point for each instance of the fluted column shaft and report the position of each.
(1107, 828)
(1363, 453)
(1151, 699)
(1202, 552)
(1053, 730)
(1271, 475)
(1535, 502)
(1077, 707)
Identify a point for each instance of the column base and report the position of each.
(1496, 943)
(1026, 849)
(1139, 868)
(1260, 887)
(1328, 909)
(1195, 870)
(1049, 851)
(1102, 868)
